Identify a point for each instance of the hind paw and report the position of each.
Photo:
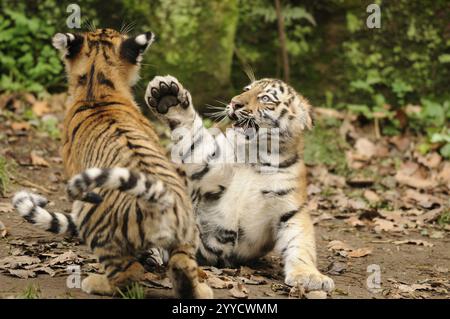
(97, 285)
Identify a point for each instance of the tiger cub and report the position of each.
(138, 201)
(246, 208)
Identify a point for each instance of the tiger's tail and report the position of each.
(143, 186)
(31, 207)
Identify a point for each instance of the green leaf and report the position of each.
(445, 150)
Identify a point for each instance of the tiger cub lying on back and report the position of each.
(244, 210)
(141, 201)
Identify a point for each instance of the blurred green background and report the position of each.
(335, 60)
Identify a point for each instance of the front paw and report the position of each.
(309, 279)
(164, 93)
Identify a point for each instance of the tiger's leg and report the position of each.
(120, 271)
(296, 243)
(183, 272)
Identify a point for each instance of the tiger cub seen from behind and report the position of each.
(245, 209)
(138, 201)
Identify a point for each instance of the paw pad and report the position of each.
(166, 94)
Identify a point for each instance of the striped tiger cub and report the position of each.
(246, 206)
(128, 197)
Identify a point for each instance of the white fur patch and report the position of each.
(141, 39)
(59, 41)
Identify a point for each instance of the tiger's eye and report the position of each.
(265, 99)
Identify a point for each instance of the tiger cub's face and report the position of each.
(103, 57)
(270, 103)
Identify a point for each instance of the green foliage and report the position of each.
(323, 145)
(444, 218)
(49, 125)
(4, 175)
(27, 60)
(433, 121)
(133, 291)
(31, 292)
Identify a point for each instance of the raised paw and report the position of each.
(165, 92)
(97, 285)
(310, 280)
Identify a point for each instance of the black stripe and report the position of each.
(54, 224)
(82, 79)
(125, 224)
(30, 216)
(130, 183)
(71, 228)
(282, 114)
(286, 216)
(103, 177)
(87, 216)
(103, 80)
(281, 192)
(74, 132)
(90, 89)
(213, 196)
(95, 105)
(201, 173)
(139, 219)
(226, 236)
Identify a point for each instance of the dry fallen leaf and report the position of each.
(218, 283)
(346, 250)
(337, 245)
(22, 273)
(354, 221)
(423, 200)
(418, 242)
(431, 160)
(385, 225)
(365, 149)
(67, 257)
(239, 291)
(371, 196)
(410, 175)
(40, 108)
(360, 252)
(6, 208)
(3, 231)
(18, 261)
(37, 160)
(20, 126)
(401, 142)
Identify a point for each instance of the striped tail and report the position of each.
(145, 187)
(31, 207)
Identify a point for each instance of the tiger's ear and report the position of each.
(133, 48)
(68, 44)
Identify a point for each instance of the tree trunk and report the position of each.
(282, 39)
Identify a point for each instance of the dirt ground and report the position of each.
(417, 268)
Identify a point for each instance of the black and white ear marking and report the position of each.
(133, 48)
(68, 43)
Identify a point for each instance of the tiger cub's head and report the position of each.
(103, 58)
(270, 103)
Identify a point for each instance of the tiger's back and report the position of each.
(113, 152)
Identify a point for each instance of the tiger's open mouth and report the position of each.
(246, 124)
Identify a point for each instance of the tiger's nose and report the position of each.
(236, 104)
